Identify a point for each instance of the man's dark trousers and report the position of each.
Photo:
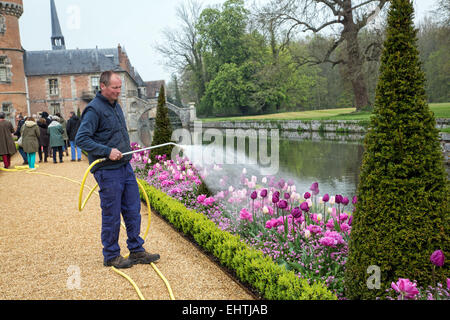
(119, 193)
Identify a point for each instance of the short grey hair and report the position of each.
(2, 115)
(105, 77)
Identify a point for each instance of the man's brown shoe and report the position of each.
(143, 257)
(118, 262)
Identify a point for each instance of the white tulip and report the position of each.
(332, 201)
(307, 234)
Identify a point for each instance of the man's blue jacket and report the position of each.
(103, 128)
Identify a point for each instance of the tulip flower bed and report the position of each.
(304, 232)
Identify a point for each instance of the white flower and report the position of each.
(319, 217)
(329, 210)
(244, 171)
(264, 180)
(265, 210)
(231, 189)
(332, 201)
(307, 234)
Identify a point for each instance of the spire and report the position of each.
(57, 38)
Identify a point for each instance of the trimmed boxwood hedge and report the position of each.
(270, 280)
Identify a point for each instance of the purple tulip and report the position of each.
(275, 198)
(437, 258)
(338, 198)
(307, 195)
(326, 197)
(263, 193)
(345, 201)
(304, 206)
(296, 212)
(448, 283)
(315, 188)
(287, 196)
(282, 204)
(355, 200)
(350, 220)
(254, 195)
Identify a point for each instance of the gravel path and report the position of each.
(49, 250)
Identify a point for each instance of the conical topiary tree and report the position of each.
(402, 214)
(163, 127)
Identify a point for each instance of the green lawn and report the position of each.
(441, 110)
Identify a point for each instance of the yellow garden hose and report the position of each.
(82, 204)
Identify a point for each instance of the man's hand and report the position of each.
(115, 155)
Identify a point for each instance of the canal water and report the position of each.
(335, 165)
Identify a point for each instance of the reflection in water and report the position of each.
(334, 165)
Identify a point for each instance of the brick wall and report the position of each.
(13, 90)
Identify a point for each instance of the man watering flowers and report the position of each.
(103, 134)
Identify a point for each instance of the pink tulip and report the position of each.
(208, 201)
(201, 198)
(245, 215)
(406, 288)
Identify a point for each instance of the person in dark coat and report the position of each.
(7, 145)
(44, 139)
(72, 128)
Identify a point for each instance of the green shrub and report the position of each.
(250, 266)
(163, 127)
(402, 214)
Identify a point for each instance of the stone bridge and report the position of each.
(141, 116)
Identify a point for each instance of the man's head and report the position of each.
(2, 115)
(72, 114)
(110, 85)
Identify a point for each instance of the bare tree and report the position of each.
(181, 47)
(342, 20)
(442, 11)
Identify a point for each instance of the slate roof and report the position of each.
(75, 61)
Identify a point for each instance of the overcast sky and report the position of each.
(135, 24)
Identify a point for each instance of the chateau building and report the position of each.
(59, 80)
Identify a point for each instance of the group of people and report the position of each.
(46, 136)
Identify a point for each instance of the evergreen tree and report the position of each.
(163, 127)
(402, 214)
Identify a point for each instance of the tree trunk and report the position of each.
(354, 61)
(360, 91)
